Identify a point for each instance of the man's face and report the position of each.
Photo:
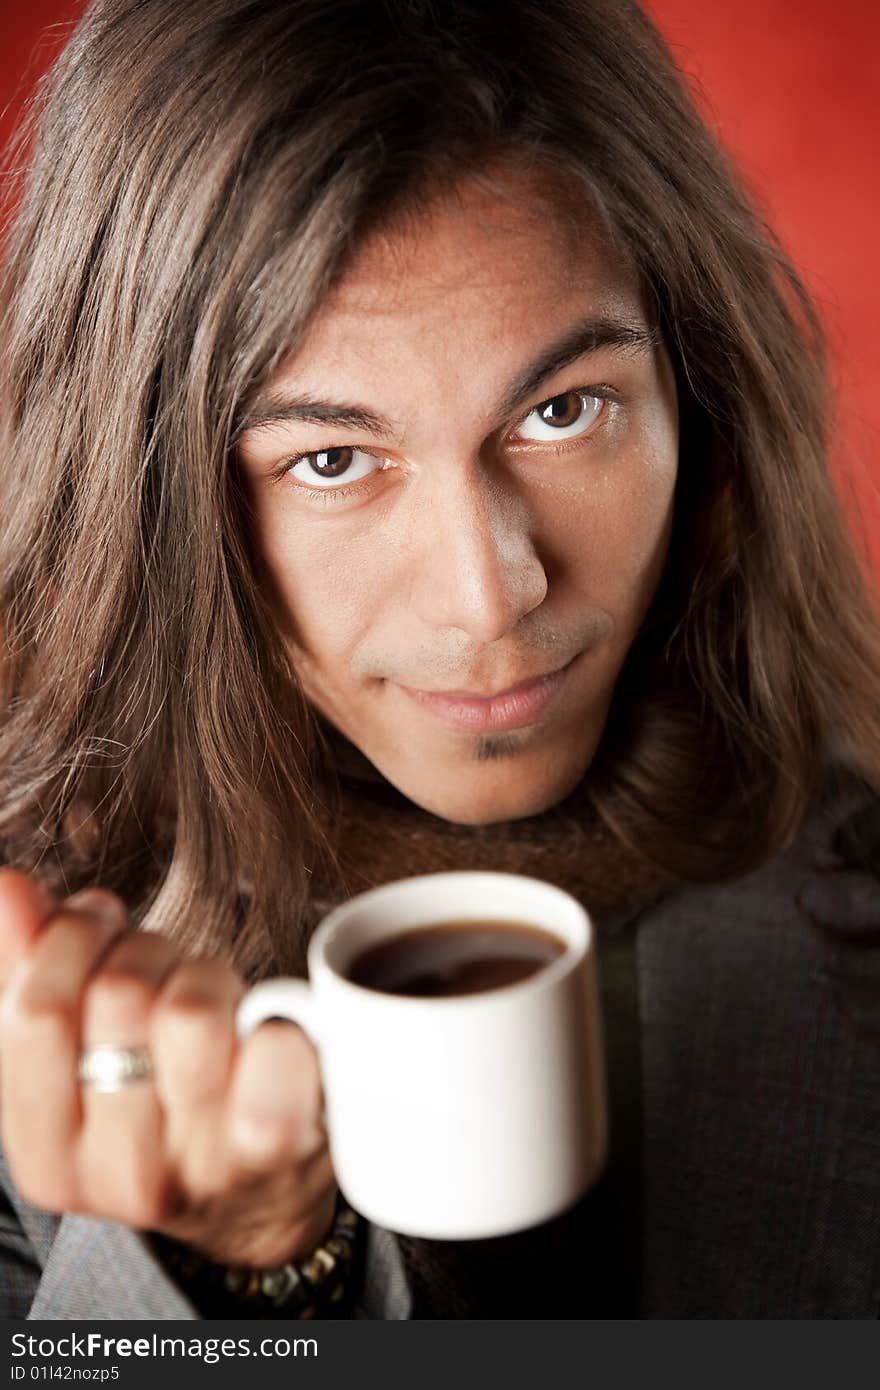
(456, 486)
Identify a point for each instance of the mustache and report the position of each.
(537, 653)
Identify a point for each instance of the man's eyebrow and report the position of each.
(585, 337)
(589, 335)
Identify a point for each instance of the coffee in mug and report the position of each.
(448, 958)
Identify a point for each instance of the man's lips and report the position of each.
(486, 695)
(509, 709)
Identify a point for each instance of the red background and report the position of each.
(790, 87)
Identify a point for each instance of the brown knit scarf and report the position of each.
(383, 836)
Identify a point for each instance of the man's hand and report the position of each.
(222, 1148)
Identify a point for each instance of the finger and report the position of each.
(39, 1045)
(276, 1099)
(122, 1170)
(25, 907)
(193, 1042)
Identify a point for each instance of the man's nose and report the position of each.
(475, 564)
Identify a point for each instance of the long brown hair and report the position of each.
(195, 175)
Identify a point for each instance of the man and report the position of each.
(486, 485)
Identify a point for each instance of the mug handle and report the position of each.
(288, 998)
(284, 997)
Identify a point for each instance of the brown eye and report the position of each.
(331, 463)
(566, 416)
(319, 468)
(562, 410)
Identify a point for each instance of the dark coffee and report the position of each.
(455, 958)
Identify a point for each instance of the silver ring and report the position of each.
(110, 1068)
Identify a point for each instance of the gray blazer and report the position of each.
(760, 1107)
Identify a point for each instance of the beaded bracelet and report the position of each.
(310, 1288)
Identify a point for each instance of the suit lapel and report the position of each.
(761, 1101)
(93, 1269)
(98, 1269)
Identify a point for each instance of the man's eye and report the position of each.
(321, 468)
(562, 417)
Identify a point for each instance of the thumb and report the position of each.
(25, 905)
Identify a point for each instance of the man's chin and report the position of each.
(483, 806)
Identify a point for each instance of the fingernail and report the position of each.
(100, 903)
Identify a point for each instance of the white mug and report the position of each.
(455, 1116)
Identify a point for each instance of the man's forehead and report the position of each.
(478, 237)
(454, 279)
